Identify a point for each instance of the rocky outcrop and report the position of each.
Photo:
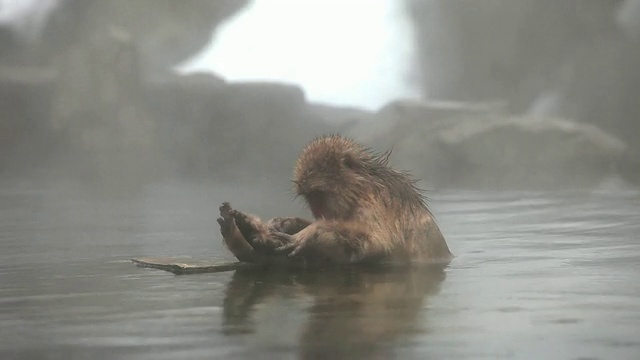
(529, 153)
(573, 60)
(98, 57)
(110, 121)
(505, 49)
(25, 103)
(167, 32)
(210, 127)
(628, 18)
(479, 146)
(96, 106)
(231, 128)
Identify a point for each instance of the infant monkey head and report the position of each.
(338, 177)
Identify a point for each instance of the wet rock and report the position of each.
(529, 153)
(573, 60)
(479, 146)
(398, 117)
(411, 128)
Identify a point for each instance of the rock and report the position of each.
(544, 58)
(479, 146)
(337, 115)
(398, 117)
(465, 47)
(529, 153)
(628, 18)
(630, 170)
(9, 43)
(503, 49)
(182, 107)
(603, 88)
(259, 128)
(102, 52)
(99, 95)
(230, 130)
(25, 100)
(411, 127)
(167, 32)
(99, 112)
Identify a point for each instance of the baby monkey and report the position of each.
(364, 211)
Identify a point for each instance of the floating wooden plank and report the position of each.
(182, 266)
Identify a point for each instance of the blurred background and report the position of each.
(498, 94)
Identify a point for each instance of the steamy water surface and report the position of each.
(537, 275)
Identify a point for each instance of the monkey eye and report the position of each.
(349, 162)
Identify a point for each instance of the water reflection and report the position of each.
(355, 313)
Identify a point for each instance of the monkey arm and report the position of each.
(252, 240)
(333, 242)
